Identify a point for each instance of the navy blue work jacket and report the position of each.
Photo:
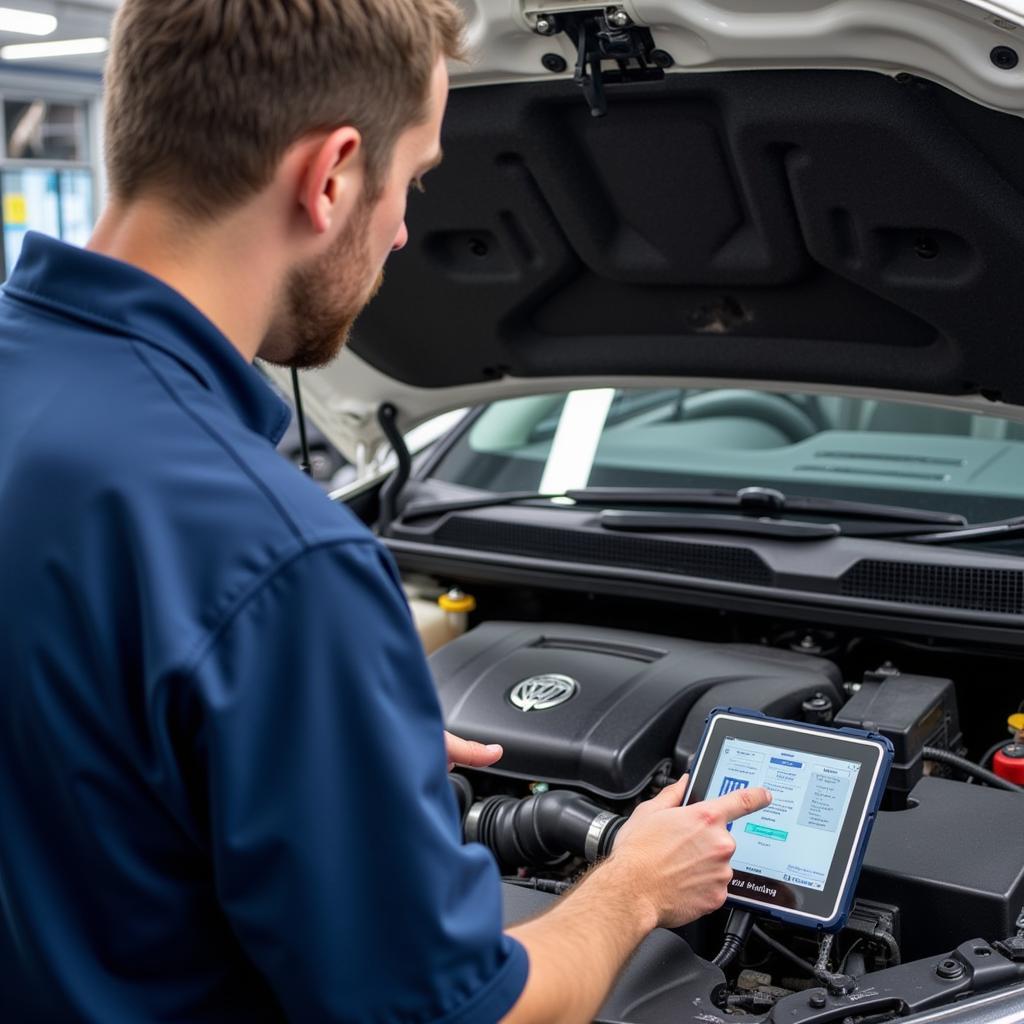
(223, 789)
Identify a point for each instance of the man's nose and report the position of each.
(401, 238)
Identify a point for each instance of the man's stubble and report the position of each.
(322, 299)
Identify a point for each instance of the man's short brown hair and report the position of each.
(204, 97)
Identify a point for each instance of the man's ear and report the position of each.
(332, 179)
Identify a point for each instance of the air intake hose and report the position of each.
(463, 790)
(542, 829)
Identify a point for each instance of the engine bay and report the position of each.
(595, 718)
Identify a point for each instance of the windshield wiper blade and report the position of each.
(422, 509)
(762, 501)
(651, 522)
(756, 501)
(996, 530)
(701, 522)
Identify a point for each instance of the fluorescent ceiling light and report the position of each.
(58, 48)
(26, 23)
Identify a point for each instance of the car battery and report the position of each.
(913, 712)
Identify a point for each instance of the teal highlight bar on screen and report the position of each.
(768, 833)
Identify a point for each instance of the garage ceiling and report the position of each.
(81, 19)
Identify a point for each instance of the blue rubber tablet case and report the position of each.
(799, 859)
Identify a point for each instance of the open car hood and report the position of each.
(813, 194)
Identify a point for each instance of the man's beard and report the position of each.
(322, 299)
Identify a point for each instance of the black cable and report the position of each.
(891, 945)
(301, 417)
(837, 983)
(853, 945)
(782, 950)
(855, 964)
(752, 1002)
(821, 971)
(970, 768)
(991, 752)
(737, 929)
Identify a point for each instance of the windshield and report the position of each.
(906, 454)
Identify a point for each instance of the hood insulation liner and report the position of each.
(833, 227)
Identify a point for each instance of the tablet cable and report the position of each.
(737, 929)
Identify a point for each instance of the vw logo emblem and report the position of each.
(538, 693)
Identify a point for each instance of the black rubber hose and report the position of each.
(991, 752)
(463, 790)
(824, 952)
(782, 950)
(387, 417)
(970, 768)
(542, 829)
(836, 983)
(891, 945)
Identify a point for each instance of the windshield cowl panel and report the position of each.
(806, 446)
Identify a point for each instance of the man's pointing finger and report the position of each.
(740, 802)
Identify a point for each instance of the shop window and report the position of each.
(40, 130)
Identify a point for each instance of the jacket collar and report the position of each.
(118, 297)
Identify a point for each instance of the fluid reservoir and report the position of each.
(439, 619)
(431, 623)
(456, 606)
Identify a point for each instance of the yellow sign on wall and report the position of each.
(15, 210)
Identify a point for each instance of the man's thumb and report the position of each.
(672, 796)
(470, 753)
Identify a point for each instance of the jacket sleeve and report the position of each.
(333, 830)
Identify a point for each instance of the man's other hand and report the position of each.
(469, 753)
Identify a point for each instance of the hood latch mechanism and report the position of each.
(602, 37)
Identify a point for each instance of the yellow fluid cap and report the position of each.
(1016, 722)
(457, 601)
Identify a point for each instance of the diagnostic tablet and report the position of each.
(798, 859)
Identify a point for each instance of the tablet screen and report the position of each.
(800, 856)
(794, 838)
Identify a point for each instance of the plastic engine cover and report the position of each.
(631, 697)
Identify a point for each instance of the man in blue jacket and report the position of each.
(223, 791)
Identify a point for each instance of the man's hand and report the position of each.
(669, 866)
(469, 753)
(680, 855)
